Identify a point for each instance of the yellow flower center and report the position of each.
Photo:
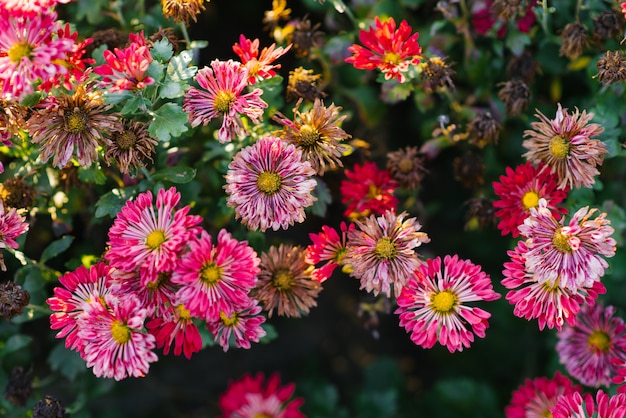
(19, 51)
(530, 199)
(308, 135)
(262, 415)
(391, 58)
(211, 274)
(229, 321)
(161, 279)
(339, 255)
(120, 332)
(183, 313)
(268, 183)
(373, 191)
(385, 249)
(155, 239)
(559, 147)
(283, 280)
(600, 341)
(223, 100)
(405, 165)
(560, 242)
(76, 121)
(126, 140)
(443, 302)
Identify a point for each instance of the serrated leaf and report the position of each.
(111, 203)
(117, 97)
(56, 247)
(155, 70)
(131, 106)
(171, 90)
(66, 362)
(177, 174)
(168, 121)
(179, 70)
(162, 50)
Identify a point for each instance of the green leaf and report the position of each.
(131, 106)
(14, 343)
(66, 362)
(92, 174)
(171, 90)
(168, 121)
(117, 97)
(176, 174)
(56, 247)
(322, 193)
(162, 50)
(516, 42)
(270, 333)
(92, 9)
(32, 99)
(155, 70)
(179, 70)
(112, 202)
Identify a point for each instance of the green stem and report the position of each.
(39, 308)
(183, 29)
(544, 17)
(579, 5)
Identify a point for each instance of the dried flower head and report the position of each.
(515, 94)
(523, 67)
(611, 68)
(19, 387)
(48, 407)
(305, 36)
(469, 169)
(285, 282)
(483, 129)
(13, 299)
(506, 9)
(16, 193)
(406, 166)
(130, 146)
(573, 40)
(182, 11)
(165, 33)
(112, 38)
(12, 116)
(303, 84)
(608, 24)
(437, 74)
(480, 213)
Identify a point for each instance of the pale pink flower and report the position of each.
(258, 65)
(176, 328)
(269, 185)
(433, 306)
(576, 405)
(222, 95)
(215, 277)
(381, 251)
(536, 396)
(242, 322)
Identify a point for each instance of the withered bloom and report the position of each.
(406, 166)
(285, 282)
(437, 74)
(483, 129)
(506, 9)
(182, 11)
(608, 24)
(611, 68)
(165, 33)
(480, 214)
(469, 169)
(130, 146)
(16, 193)
(304, 37)
(19, 387)
(12, 116)
(515, 94)
(303, 84)
(112, 38)
(573, 40)
(48, 407)
(13, 299)
(523, 67)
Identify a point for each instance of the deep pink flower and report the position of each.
(242, 322)
(156, 294)
(222, 95)
(393, 51)
(250, 397)
(327, 246)
(520, 189)
(215, 277)
(176, 328)
(433, 304)
(260, 66)
(574, 405)
(29, 8)
(12, 225)
(127, 69)
(484, 19)
(536, 396)
(368, 190)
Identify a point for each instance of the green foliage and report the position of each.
(168, 121)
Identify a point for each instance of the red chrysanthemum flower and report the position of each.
(575, 405)
(242, 323)
(176, 328)
(393, 51)
(433, 304)
(520, 189)
(484, 19)
(368, 190)
(250, 397)
(259, 65)
(536, 396)
(327, 246)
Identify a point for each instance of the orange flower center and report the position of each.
(20, 50)
(443, 302)
(283, 280)
(560, 242)
(385, 249)
(120, 332)
(559, 147)
(600, 341)
(308, 135)
(530, 199)
(211, 273)
(268, 183)
(223, 100)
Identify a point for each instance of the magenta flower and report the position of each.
(176, 328)
(30, 8)
(156, 295)
(536, 396)
(574, 405)
(433, 304)
(215, 277)
(591, 349)
(222, 95)
(269, 185)
(242, 322)
(330, 247)
(12, 225)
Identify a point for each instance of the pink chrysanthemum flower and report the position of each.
(251, 397)
(115, 342)
(222, 95)
(520, 189)
(29, 7)
(258, 65)
(381, 251)
(176, 328)
(215, 276)
(80, 288)
(368, 190)
(148, 238)
(330, 247)
(29, 52)
(12, 225)
(536, 396)
(268, 184)
(566, 145)
(575, 405)
(569, 256)
(127, 69)
(393, 51)
(243, 322)
(155, 294)
(550, 305)
(591, 348)
(433, 304)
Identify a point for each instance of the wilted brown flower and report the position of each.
(285, 282)
(165, 33)
(130, 146)
(13, 299)
(506, 9)
(48, 407)
(611, 68)
(480, 214)
(182, 11)
(19, 387)
(437, 74)
(16, 193)
(112, 38)
(303, 84)
(608, 24)
(304, 37)
(483, 129)
(523, 67)
(515, 94)
(469, 169)
(12, 116)
(406, 166)
(573, 40)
